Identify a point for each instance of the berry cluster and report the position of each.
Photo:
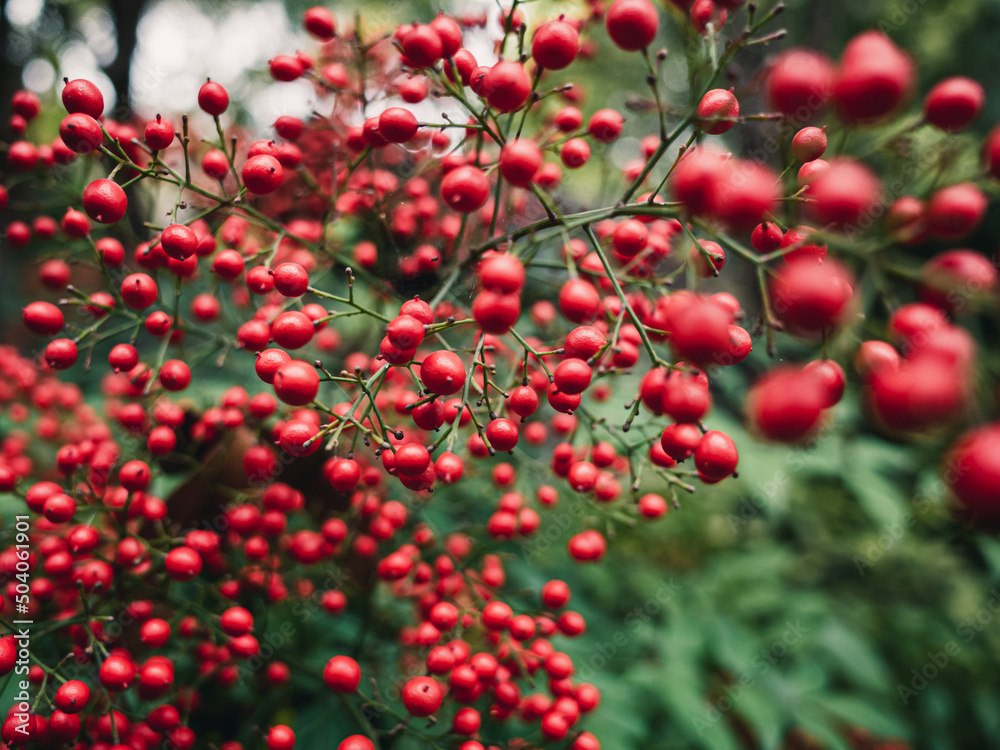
(389, 281)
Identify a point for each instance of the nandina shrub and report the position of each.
(403, 312)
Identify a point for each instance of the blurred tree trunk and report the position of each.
(126, 16)
(10, 74)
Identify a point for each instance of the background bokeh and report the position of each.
(811, 592)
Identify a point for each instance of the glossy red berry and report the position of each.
(72, 696)
(320, 22)
(262, 174)
(397, 125)
(443, 373)
(632, 24)
(117, 673)
(175, 375)
(502, 434)
(43, 318)
(213, 98)
(61, 354)
(716, 456)
(81, 95)
(520, 161)
(717, 111)
(291, 279)
(575, 153)
(422, 46)
(104, 201)
(506, 86)
(183, 563)
(139, 291)
(81, 133)
(422, 696)
(465, 189)
(280, 737)
(809, 144)
(159, 134)
(296, 383)
(555, 44)
(412, 459)
(954, 211)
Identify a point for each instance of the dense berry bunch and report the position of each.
(418, 305)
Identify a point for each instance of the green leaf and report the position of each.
(990, 549)
(765, 714)
(861, 712)
(701, 722)
(877, 493)
(861, 663)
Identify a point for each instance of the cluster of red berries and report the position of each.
(448, 240)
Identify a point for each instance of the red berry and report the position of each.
(573, 376)
(213, 98)
(972, 471)
(291, 279)
(506, 86)
(228, 264)
(786, 405)
(680, 440)
(717, 111)
(285, 67)
(502, 434)
(320, 22)
(811, 297)
(844, 194)
(60, 354)
(405, 332)
(159, 134)
(139, 291)
(72, 696)
(630, 238)
(422, 46)
(555, 44)
(296, 383)
(716, 456)
(104, 201)
(465, 189)
(81, 133)
(422, 696)
(117, 672)
(873, 78)
(43, 318)
(280, 737)
(809, 144)
(397, 125)
(496, 313)
(183, 563)
(83, 96)
(262, 174)
(799, 83)
(520, 161)
(955, 211)
(175, 375)
(179, 241)
(575, 153)
(556, 594)
(412, 459)
(579, 302)
(632, 24)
